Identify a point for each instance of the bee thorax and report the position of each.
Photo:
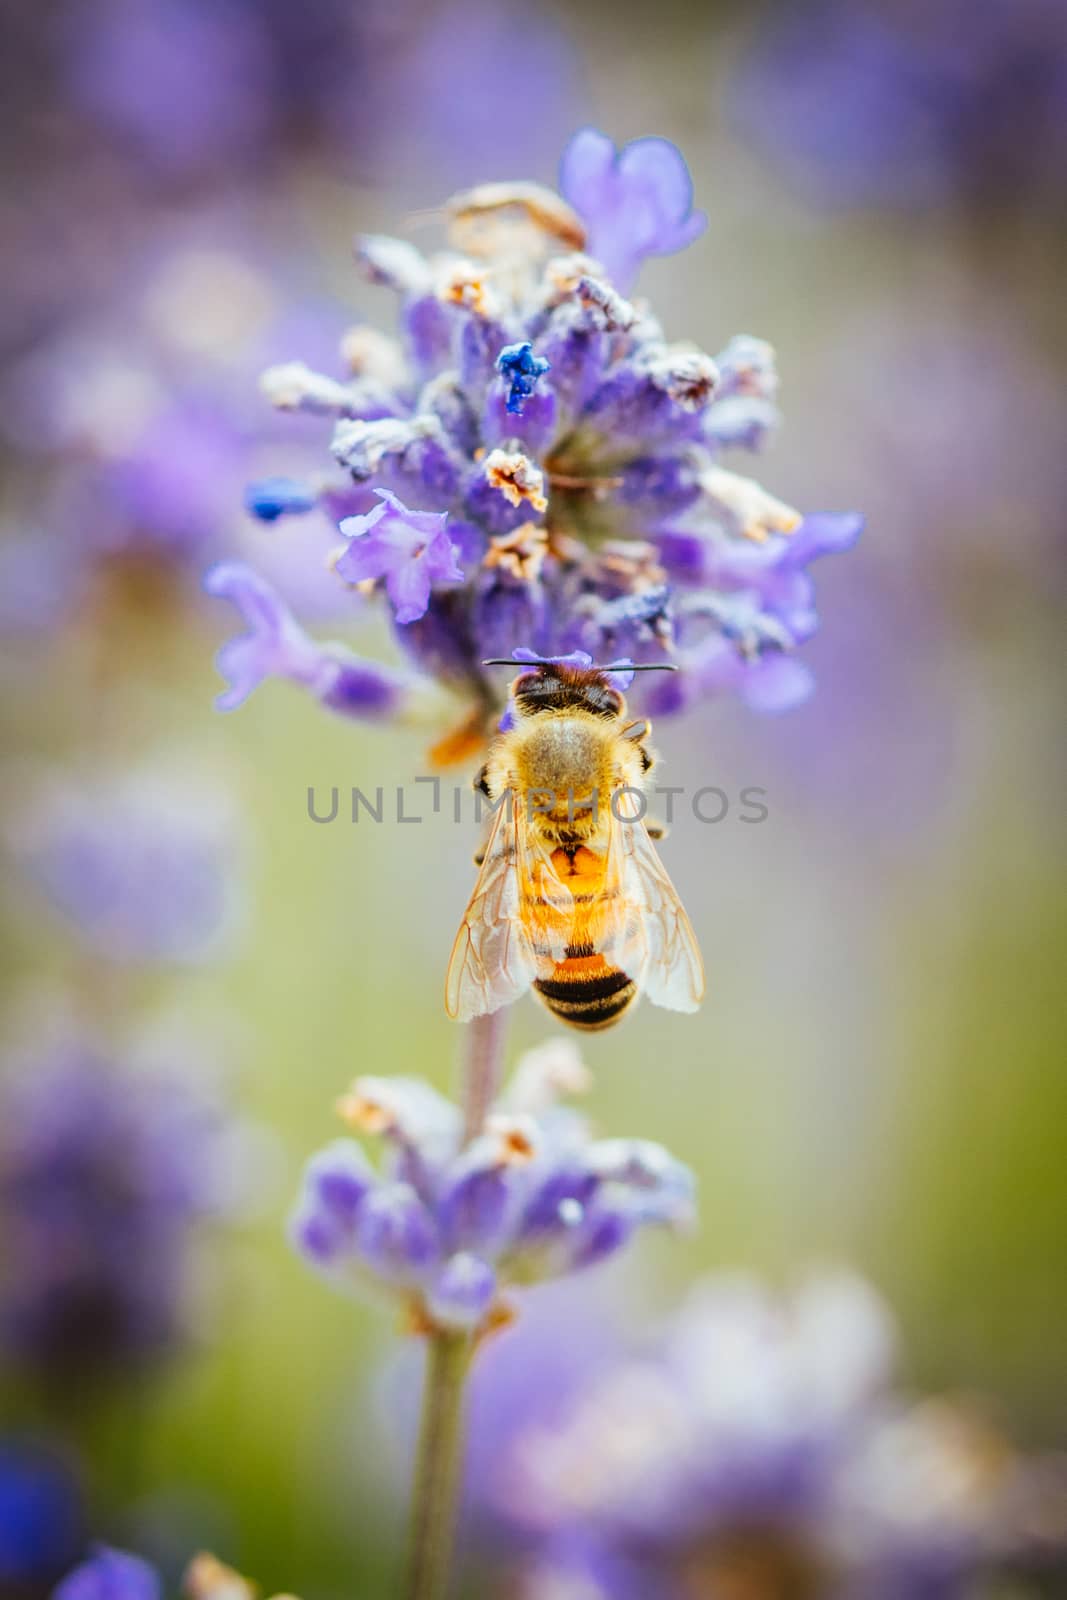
(569, 757)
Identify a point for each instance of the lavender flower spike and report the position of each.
(276, 646)
(139, 863)
(577, 456)
(107, 1167)
(444, 1229)
(762, 1449)
(110, 1574)
(636, 202)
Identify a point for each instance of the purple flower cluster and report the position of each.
(142, 425)
(535, 464)
(445, 1226)
(104, 1173)
(761, 1451)
(110, 1574)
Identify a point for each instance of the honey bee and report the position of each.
(572, 899)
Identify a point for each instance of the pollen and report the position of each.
(364, 586)
(515, 1140)
(363, 1113)
(465, 286)
(748, 508)
(208, 1578)
(516, 477)
(630, 566)
(415, 1321)
(520, 554)
(690, 379)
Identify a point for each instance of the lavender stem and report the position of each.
(483, 1069)
(437, 1468)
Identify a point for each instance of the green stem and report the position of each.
(438, 1466)
(437, 1469)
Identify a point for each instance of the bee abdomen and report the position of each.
(586, 995)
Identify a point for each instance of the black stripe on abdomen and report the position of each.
(587, 1000)
(601, 987)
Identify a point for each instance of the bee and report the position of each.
(572, 899)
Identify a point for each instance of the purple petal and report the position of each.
(408, 587)
(472, 1209)
(576, 658)
(338, 1179)
(396, 1235)
(636, 203)
(602, 1233)
(275, 644)
(660, 1189)
(620, 674)
(821, 533)
(462, 1292)
(411, 550)
(110, 1575)
(778, 682)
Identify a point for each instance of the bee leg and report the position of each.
(481, 786)
(656, 830)
(637, 733)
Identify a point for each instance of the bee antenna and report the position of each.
(612, 666)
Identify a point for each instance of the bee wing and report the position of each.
(651, 939)
(515, 922)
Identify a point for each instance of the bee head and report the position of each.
(572, 682)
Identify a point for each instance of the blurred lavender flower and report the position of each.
(109, 1574)
(114, 107)
(104, 1173)
(40, 1518)
(143, 423)
(761, 1452)
(917, 105)
(139, 863)
(191, 89)
(445, 1228)
(184, 84)
(550, 465)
